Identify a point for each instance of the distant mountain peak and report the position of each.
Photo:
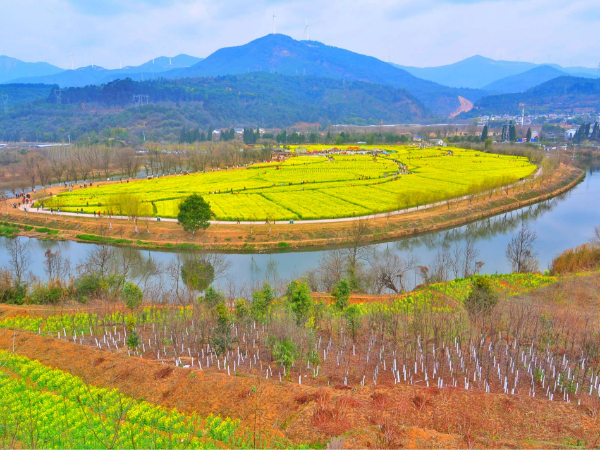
(285, 55)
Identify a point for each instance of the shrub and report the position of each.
(133, 340)
(88, 286)
(212, 297)
(132, 295)
(9, 292)
(584, 257)
(47, 294)
(482, 299)
(285, 352)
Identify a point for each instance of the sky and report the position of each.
(408, 32)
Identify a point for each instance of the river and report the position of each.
(561, 223)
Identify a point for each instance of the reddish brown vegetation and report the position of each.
(578, 259)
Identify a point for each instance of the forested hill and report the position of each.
(255, 99)
(562, 94)
(279, 53)
(18, 94)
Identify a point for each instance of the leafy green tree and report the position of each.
(285, 352)
(212, 297)
(299, 296)
(133, 340)
(132, 295)
(261, 303)
(482, 299)
(194, 213)
(341, 293)
(352, 319)
(221, 339)
(241, 310)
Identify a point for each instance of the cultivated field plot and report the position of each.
(62, 411)
(381, 346)
(316, 187)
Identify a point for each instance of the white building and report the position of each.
(570, 133)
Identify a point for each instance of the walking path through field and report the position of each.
(27, 209)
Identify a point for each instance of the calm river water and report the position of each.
(560, 223)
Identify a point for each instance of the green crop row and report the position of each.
(42, 407)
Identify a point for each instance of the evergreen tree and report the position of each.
(512, 133)
(209, 133)
(595, 132)
(528, 137)
(484, 133)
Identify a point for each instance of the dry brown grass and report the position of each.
(578, 259)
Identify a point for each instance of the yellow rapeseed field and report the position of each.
(309, 186)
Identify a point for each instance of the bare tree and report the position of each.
(98, 261)
(596, 238)
(357, 251)
(58, 166)
(128, 162)
(390, 271)
(44, 172)
(520, 250)
(29, 169)
(56, 266)
(105, 155)
(463, 259)
(332, 268)
(19, 259)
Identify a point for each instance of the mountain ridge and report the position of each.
(283, 54)
(88, 75)
(564, 94)
(11, 68)
(526, 80)
(479, 71)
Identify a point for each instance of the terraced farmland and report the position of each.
(315, 187)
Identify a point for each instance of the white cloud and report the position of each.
(410, 32)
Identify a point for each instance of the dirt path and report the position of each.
(465, 106)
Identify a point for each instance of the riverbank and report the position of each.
(259, 238)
